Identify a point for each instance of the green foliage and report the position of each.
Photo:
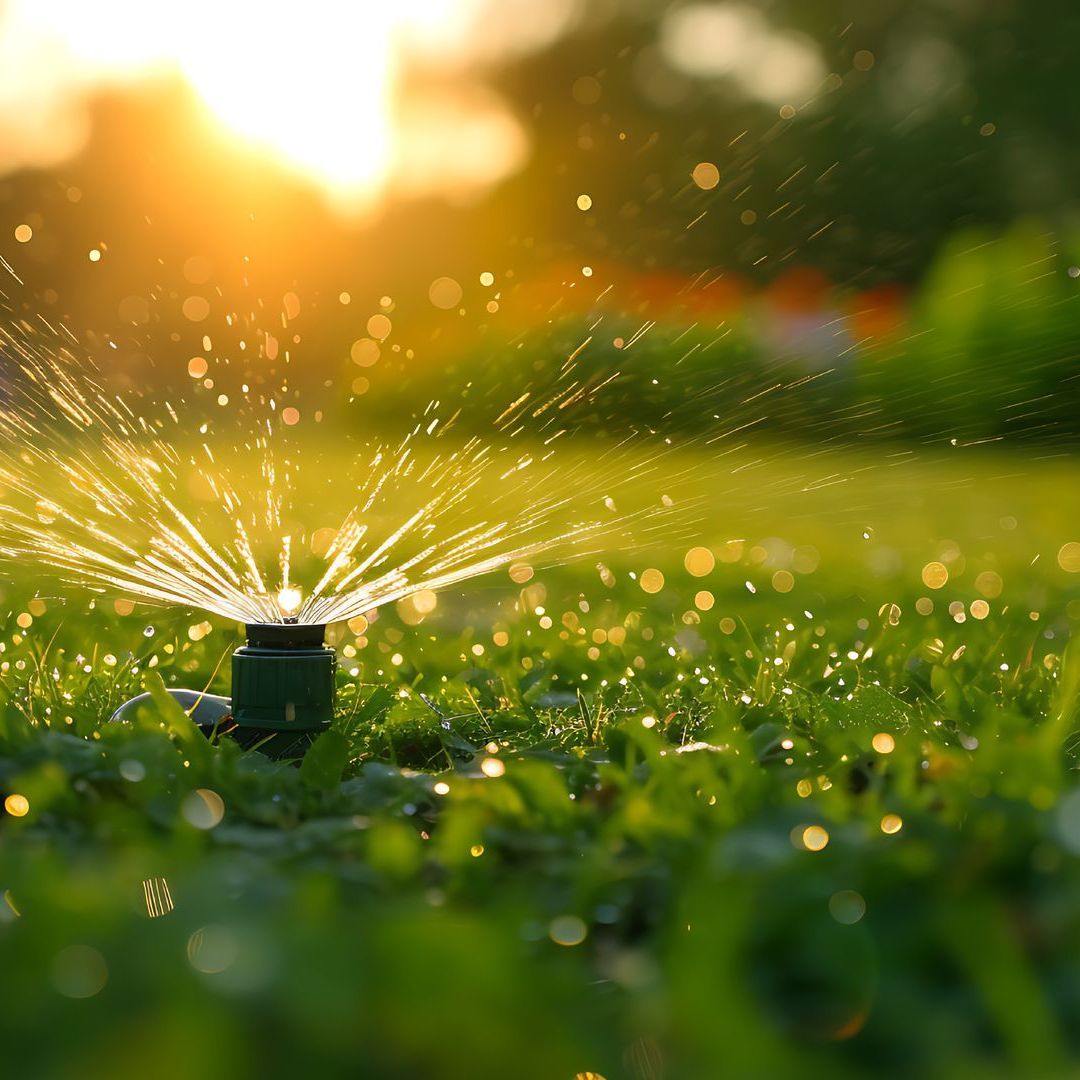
(683, 849)
(984, 349)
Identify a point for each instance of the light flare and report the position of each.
(290, 600)
(320, 87)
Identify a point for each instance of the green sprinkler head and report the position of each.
(283, 691)
(283, 680)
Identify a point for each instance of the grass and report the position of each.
(804, 832)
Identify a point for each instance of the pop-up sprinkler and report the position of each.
(283, 691)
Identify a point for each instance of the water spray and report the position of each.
(96, 489)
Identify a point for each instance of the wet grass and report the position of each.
(820, 821)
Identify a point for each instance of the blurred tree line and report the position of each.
(934, 116)
(937, 127)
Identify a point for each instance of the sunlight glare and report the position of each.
(316, 85)
(313, 86)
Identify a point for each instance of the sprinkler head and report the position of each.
(283, 691)
(283, 680)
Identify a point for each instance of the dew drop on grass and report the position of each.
(203, 808)
(1068, 557)
(883, 742)
(652, 580)
(212, 949)
(935, 575)
(706, 175)
(847, 907)
(79, 972)
(132, 770)
(699, 561)
(567, 930)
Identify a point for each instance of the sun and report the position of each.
(312, 85)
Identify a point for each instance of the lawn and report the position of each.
(801, 805)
